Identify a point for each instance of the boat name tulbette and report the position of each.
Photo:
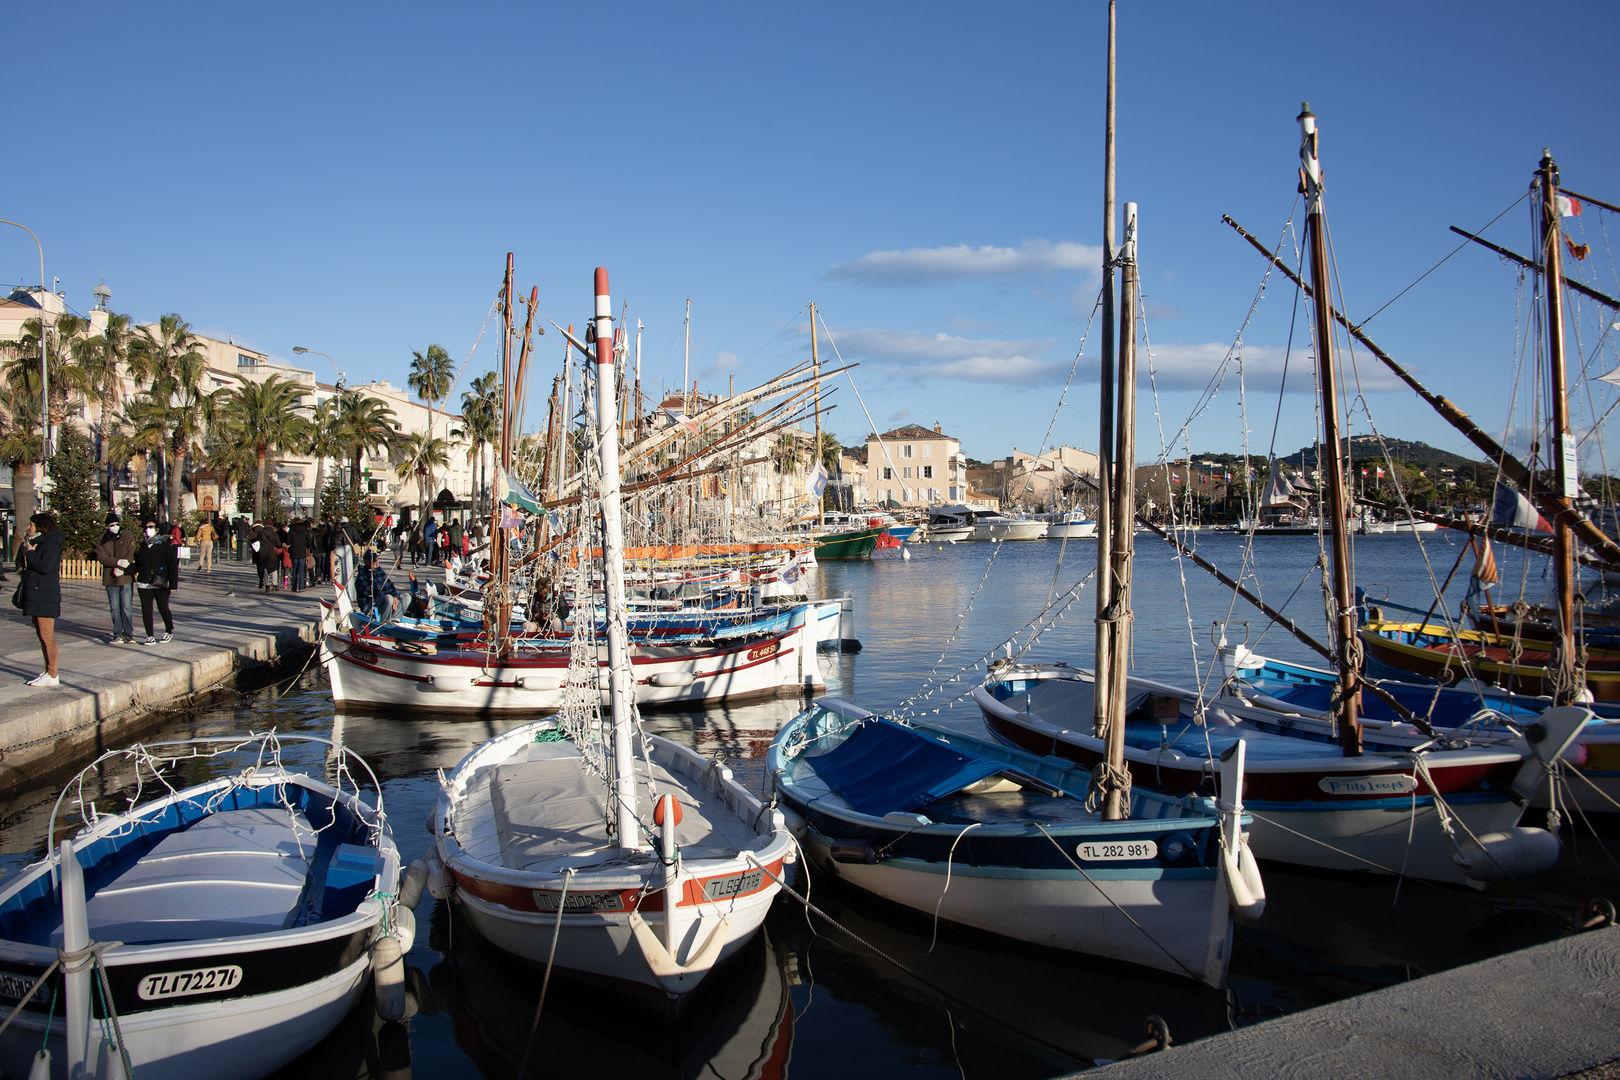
(173, 984)
(1388, 784)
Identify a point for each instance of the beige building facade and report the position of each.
(915, 467)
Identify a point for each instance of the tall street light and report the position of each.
(44, 367)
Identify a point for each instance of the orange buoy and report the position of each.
(658, 811)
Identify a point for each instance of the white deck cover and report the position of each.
(549, 810)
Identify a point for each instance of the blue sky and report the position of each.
(350, 178)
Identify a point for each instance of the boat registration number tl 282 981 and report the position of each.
(1117, 850)
(173, 984)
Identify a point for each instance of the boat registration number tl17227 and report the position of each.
(173, 984)
(1117, 851)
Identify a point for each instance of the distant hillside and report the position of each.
(1367, 447)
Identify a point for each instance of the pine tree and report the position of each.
(75, 499)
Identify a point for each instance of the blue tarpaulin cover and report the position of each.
(884, 767)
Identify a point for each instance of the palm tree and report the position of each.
(480, 426)
(420, 454)
(323, 439)
(62, 339)
(20, 446)
(264, 417)
(102, 360)
(784, 456)
(364, 424)
(168, 359)
(430, 377)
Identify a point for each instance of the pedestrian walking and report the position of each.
(415, 542)
(430, 537)
(454, 544)
(205, 546)
(266, 555)
(157, 575)
(176, 537)
(298, 552)
(401, 533)
(243, 537)
(115, 551)
(39, 562)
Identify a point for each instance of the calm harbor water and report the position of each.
(810, 1001)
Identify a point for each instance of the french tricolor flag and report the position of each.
(1513, 509)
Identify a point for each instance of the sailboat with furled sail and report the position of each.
(1396, 803)
(581, 842)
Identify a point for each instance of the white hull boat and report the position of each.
(520, 821)
(1379, 812)
(369, 671)
(235, 922)
(994, 527)
(941, 823)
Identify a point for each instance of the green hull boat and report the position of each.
(848, 545)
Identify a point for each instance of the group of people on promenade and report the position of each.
(144, 563)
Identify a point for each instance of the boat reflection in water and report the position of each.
(739, 1025)
(995, 1007)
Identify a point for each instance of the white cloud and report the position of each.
(724, 364)
(923, 266)
(943, 356)
(1190, 367)
(899, 417)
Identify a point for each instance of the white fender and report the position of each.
(672, 678)
(388, 974)
(1517, 852)
(411, 883)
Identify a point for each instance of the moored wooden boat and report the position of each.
(945, 825)
(234, 921)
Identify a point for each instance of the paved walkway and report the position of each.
(223, 624)
(1545, 1012)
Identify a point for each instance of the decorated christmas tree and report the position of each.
(74, 498)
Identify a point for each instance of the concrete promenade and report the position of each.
(1545, 1012)
(223, 626)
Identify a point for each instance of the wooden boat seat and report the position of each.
(550, 809)
(232, 873)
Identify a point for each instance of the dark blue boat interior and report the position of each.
(883, 767)
(323, 873)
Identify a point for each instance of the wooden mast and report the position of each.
(500, 612)
(815, 365)
(1105, 422)
(1121, 550)
(1347, 703)
(1566, 474)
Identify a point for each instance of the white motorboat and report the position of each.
(233, 923)
(944, 824)
(950, 524)
(989, 525)
(1068, 525)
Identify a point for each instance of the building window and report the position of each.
(906, 472)
(954, 494)
(927, 470)
(928, 450)
(888, 473)
(244, 360)
(905, 451)
(906, 495)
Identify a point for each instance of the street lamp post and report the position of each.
(44, 366)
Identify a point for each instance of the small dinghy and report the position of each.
(231, 925)
(991, 837)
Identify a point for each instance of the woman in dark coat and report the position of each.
(157, 574)
(267, 559)
(39, 560)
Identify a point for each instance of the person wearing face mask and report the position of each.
(39, 561)
(157, 574)
(115, 551)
